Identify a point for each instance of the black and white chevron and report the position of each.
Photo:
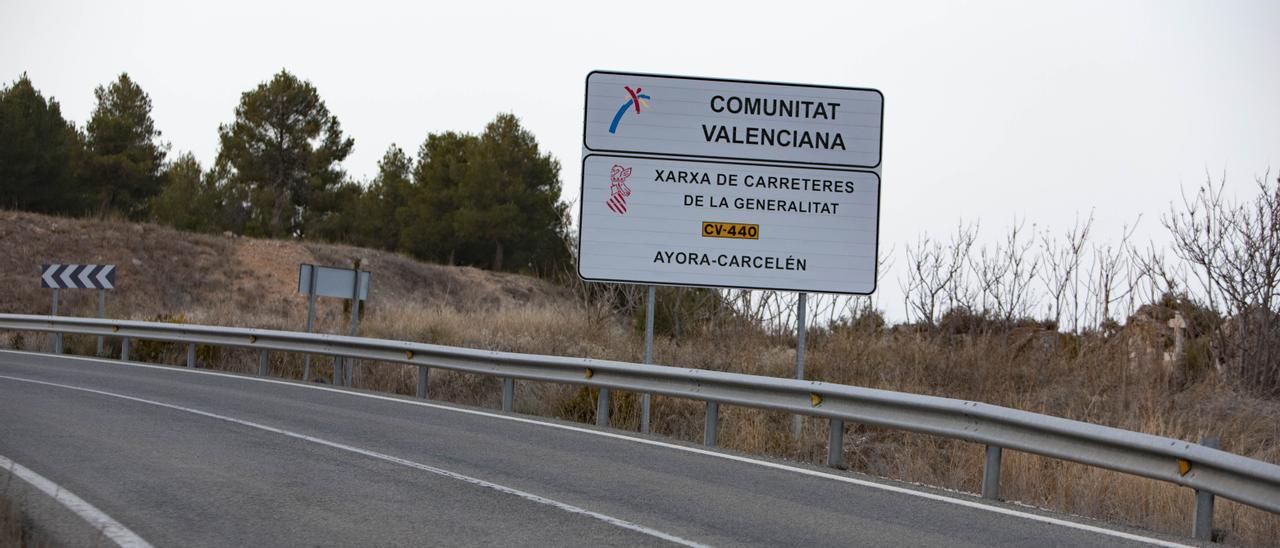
(78, 276)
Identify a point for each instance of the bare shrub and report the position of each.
(1004, 276)
(1061, 264)
(935, 271)
(1234, 247)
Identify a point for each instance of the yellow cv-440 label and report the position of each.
(730, 230)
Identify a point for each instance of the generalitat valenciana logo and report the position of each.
(618, 189)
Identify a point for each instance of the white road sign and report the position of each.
(733, 119)
(332, 282)
(720, 224)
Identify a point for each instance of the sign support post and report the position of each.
(798, 421)
(311, 320)
(102, 313)
(55, 340)
(648, 356)
(355, 324)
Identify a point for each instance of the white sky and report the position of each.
(993, 109)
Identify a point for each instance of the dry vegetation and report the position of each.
(16, 530)
(1116, 377)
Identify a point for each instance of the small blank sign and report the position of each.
(332, 282)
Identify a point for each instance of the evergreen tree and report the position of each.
(281, 157)
(40, 153)
(428, 219)
(509, 201)
(491, 201)
(126, 157)
(189, 199)
(375, 222)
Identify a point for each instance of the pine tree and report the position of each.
(189, 199)
(281, 155)
(40, 153)
(428, 218)
(491, 201)
(375, 222)
(126, 158)
(510, 200)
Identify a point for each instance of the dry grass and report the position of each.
(1095, 378)
(16, 530)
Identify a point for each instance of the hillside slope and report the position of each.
(163, 272)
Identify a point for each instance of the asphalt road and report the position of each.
(205, 459)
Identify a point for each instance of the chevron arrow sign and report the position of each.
(78, 276)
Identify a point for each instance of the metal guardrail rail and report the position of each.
(1205, 469)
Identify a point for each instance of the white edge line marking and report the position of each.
(372, 454)
(110, 528)
(737, 458)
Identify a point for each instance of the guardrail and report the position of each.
(1208, 470)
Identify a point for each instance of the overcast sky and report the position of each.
(992, 109)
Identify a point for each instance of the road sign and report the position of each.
(78, 276)
(332, 282)
(720, 224)
(733, 119)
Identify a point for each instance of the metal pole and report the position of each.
(355, 323)
(55, 340)
(124, 349)
(102, 313)
(508, 394)
(797, 421)
(191, 355)
(835, 444)
(648, 357)
(422, 382)
(311, 320)
(1202, 527)
(991, 473)
(262, 363)
(709, 426)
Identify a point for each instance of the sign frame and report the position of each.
(875, 276)
(345, 287)
(855, 167)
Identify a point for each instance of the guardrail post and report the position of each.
(602, 408)
(124, 349)
(422, 382)
(835, 444)
(1202, 527)
(709, 427)
(991, 474)
(508, 394)
(262, 363)
(191, 355)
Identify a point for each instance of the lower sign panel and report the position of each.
(718, 224)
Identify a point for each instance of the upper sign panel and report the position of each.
(733, 119)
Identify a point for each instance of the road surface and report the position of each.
(198, 458)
